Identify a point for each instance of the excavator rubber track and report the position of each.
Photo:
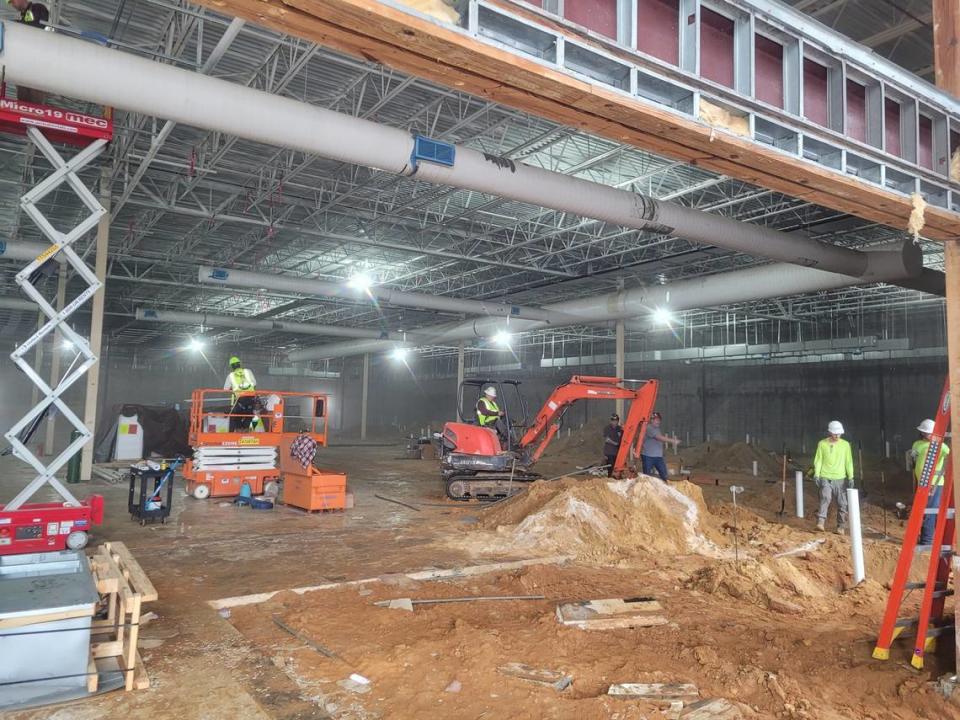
(487, 487)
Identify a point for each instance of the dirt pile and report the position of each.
(776, 584)
(601, 521)
(738, 457)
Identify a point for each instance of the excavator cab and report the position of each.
(509, 398)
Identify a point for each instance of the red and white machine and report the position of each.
(42, 527)
(223, 460)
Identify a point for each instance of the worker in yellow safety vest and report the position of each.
(833, 475)
(490, 415)
(242, 384)
(919, 455)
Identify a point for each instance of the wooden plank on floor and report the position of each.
(388, 35)
(467, 571)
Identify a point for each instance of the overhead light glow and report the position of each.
(195, 345)
(360, 281)
(67, 345)
(400, 354)
(502, 338)
(662, 316)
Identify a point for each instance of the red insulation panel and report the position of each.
(769, 70)
(856, 111)
(716, 47)
(658, 29)
(815, 92)
(891, 112)
(925, 146)
(597, 15)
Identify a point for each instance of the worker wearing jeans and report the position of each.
(919, 454)
(833, 474)
(651, 452)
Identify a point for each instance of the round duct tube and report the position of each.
(753, 283)
(20, 250)
(323, 288)
(238, 323)
(8, 303)
(76, 69)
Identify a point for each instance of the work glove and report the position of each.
(849, 484)
(817, 482)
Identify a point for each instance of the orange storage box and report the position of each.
(320, 490)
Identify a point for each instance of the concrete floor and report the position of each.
(200, 667)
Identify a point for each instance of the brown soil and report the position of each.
(781, 632)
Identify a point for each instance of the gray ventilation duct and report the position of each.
(75, 68)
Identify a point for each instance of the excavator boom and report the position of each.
(584, 387)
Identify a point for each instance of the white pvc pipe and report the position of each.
(856, 538)
(75, 68)
(798, 477)
(886, 448)
(754, 468)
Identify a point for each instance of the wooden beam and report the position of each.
(413, 44)
(946, 59)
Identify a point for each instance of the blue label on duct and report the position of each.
(514, 310)
(149, 313)
(219, 274)
(3, 247)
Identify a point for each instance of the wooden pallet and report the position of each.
(124, 587)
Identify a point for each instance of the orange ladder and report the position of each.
(930, 623)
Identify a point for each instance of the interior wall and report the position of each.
(780, 405)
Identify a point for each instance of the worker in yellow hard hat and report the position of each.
(243, 385)
(919, 455)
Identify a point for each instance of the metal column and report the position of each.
(365, 395)
(460, 374)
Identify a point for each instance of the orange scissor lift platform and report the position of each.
(285, 416)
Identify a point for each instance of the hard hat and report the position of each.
(614, 417)
(835, 427)
(234, 360)
(491, 391)
(926, 426)
(656, 415)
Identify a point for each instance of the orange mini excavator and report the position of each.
(474, 463)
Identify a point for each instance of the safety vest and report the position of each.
(491, 406)
(919, 452)
(241, 384)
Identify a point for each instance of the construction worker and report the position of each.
(612, 437)
(833, 474)
(651, 452)
(35, 15)
(242, 384)
(490, 415)
(919, 454)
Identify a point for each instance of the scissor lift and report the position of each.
(43, 527)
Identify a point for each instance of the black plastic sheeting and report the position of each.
(165, 432)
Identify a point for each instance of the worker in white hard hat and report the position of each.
(919, 455)
(833, 474)
(490, 415)
(243, 385)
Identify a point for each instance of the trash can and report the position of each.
(73, 464)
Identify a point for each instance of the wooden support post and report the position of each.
(55, 354)
(96, 327)
(946, 55)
